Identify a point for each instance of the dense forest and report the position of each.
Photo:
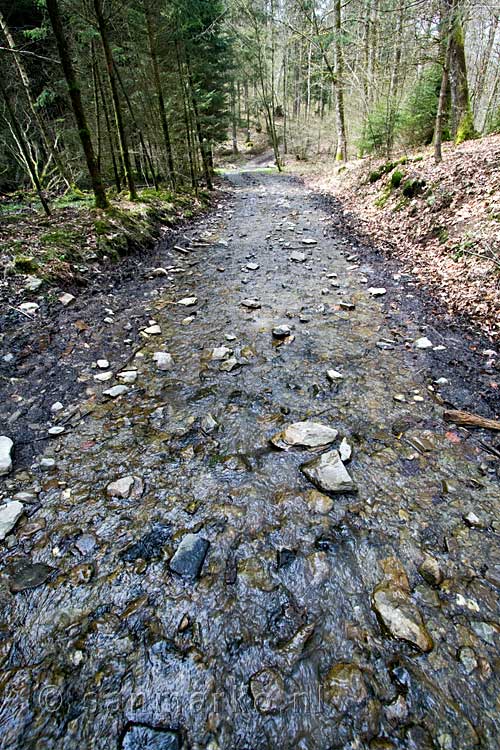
(114, 95)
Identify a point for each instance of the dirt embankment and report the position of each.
(441, 220)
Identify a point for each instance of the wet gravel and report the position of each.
(277, 635)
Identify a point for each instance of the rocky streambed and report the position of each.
(253, 529)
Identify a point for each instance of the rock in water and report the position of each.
(304, 435)
(221, 352)
(344, 686)
(188, 301)
(9, 516)
(190, 555)
(328, 473)
(268, 691)
(125, 487)
(115, 391)
(377, 291)
(6, 446)
(164, 361)
(423, 343)
(395, 609)
(141, 737)
(29, 577)
(251, 304)
(281, 332)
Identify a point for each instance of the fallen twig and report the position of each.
(466, 419)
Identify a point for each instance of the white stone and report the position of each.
(127, 376)
(116, 390)
(66, 299)
(345, 450)
(9, 515)
(252, 304)
(57, 430)
(102, 377)
(47, 463)
(377, 291)
(120, 487)
(334, 375)
(6, 446)
(442, 381)
(328, 473)
(102, 364)
(56, 406)
(29, 307)
(188, 301)
(159, 272)
(164, 360)
(221, 352)
(298, 257)
(153, 330)
(304, 435)
(423, 343)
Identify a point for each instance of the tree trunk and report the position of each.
(109, 130)
(76, 101)
(438, 128)
(159, 93)
(233, 119)
(201, 140)
(101, 22)
(341, 154)
(462, 123)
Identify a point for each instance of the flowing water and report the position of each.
(276, 644)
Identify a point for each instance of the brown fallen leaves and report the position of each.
(448, 235)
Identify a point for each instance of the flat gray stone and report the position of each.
(304, 435)
(328, 473)
(164, 361)
(115, 391)
(189, 556)
(10, 513)
(141, 737)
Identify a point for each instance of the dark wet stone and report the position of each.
(150, 545)
(140, 737)
(190, 555)
(29, 577)
(285, 557)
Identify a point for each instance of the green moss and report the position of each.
(466, 130)
(384, 197)
(25, 264)
(396, 179)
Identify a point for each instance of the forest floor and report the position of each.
(442, 221)
(170, 578)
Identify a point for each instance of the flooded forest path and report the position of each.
(192, 571)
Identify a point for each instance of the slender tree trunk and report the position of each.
(438, 129)
(201, 140)
(159, 93)
(101, 22)
(233, 119)
(341, 154)
(109, 131)
(76, 101)
(187, 122)
(47, 143)
(24, 147)
(96, 104)
(137, 128)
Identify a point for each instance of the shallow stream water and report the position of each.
(276, 643)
